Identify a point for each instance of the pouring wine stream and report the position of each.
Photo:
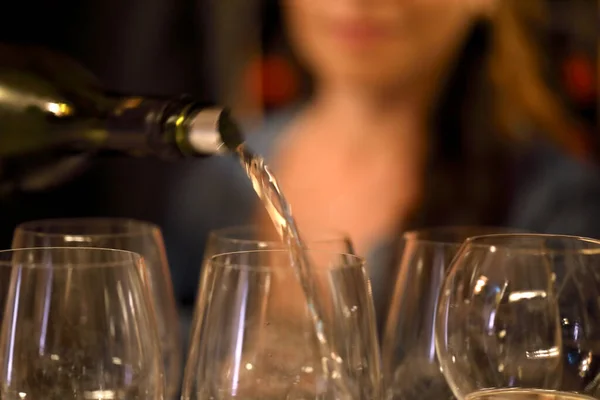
(266, 187)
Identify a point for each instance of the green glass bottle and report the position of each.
(54, 114)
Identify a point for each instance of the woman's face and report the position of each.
(377, 42)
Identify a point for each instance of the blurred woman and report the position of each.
(420, 113)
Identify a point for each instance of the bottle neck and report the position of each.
(142, 126)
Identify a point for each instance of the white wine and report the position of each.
(525, 394)
(267, 188)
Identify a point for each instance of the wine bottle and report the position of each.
(54, 114)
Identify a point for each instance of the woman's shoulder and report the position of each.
(547, 164)
(556, 193)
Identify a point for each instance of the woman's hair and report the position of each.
(496, 96)
(497, 100)
(519, 75)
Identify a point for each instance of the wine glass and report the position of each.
(78, 324)
(255, 237)
(523, 311)
(140, 237)
(525, 394)
(252, 347)
(410, 366)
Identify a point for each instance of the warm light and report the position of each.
(585, 365)
(552, 352)
(100, 395)
(481, 282)
(526, 295)
(307, 369)
(79, 239)
(59, 109)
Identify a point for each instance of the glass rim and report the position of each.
(521, 390)
(127, 257)
(227, 234)
(215, 260)
(136, 227)
(429, 235)
(475, 242)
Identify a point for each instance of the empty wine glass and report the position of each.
(252, 347)
(410, 366)
(255, 237)
(522, 311)
(78, 324)
(140, 237)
